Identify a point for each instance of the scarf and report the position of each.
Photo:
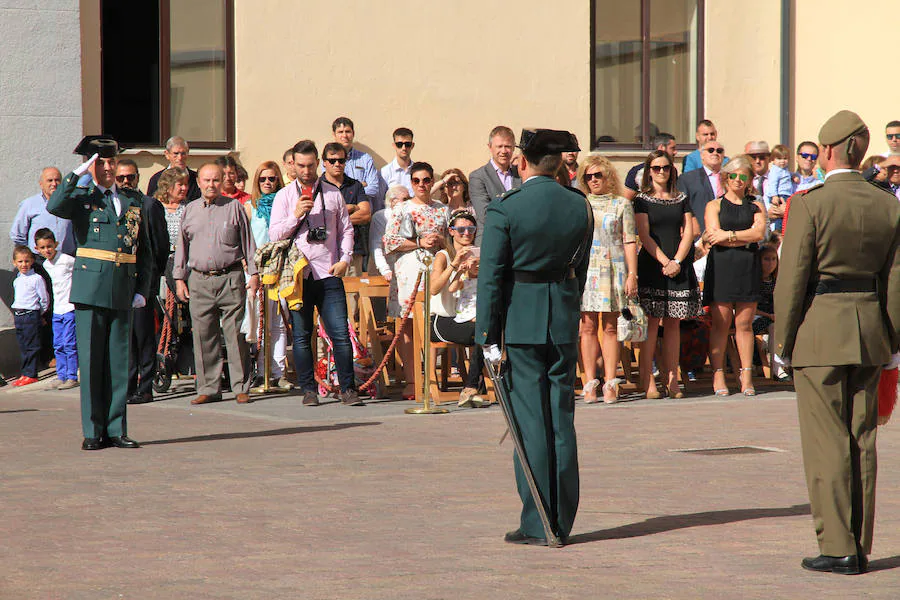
(264, 207)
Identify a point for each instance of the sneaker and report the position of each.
(56, 383)
(284, 384)
(466, 398)
(310, 398)
(23, 380)
(68, 384)
(351, 398)
(691, 376)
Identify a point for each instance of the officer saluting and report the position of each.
(838, 306)
(531, 276)
(112, 275)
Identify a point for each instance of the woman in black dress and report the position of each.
(735, 223)
(667, 285)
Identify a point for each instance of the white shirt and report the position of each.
(115, 197)
(30, 292)
(393, 174)
(60, 270)
(836, 171)
(376, 232)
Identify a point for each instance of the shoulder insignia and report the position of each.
(508, 193)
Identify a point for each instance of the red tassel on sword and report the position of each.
(887, 394)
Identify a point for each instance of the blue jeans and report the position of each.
(328, 296)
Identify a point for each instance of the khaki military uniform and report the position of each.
(837, 307)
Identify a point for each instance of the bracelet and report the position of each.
(418, 243)
(732, 236)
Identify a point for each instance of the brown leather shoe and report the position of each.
(204, 398)
(310, 398)
(242, 398)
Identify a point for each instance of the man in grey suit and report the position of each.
(703, 185)
(496, 177)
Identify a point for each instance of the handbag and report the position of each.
(632, 324)
(407, 226)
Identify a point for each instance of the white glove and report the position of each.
(139, 301)
(81, 170)
(895, 362)
(492, 353)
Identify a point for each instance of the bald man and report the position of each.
(32, 215)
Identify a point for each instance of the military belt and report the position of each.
(107, 255)
(556, 276)
(842, 286)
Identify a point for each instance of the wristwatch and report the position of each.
(676, 261)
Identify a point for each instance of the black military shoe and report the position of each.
(123, 441)
(842, 565)
(141, 398)
(92, 444)
(520, 537)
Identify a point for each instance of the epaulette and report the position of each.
(82, 187)
(508, 193)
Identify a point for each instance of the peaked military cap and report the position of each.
(103, 145)
(840, 126)
(547, 141)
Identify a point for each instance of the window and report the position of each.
(647, 67)
(167, 69)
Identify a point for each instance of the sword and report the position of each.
(553, 540)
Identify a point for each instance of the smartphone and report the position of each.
(475, 251)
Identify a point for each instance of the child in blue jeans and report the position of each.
(30, 302)
(60, 267)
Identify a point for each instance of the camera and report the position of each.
(317, 234)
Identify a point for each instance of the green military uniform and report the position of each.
(837, 303)
(103, 287)
(530, 294)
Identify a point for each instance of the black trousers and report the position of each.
(28, 331)
(446, 329)
(143, 351)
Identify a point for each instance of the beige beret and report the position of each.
(839, 127)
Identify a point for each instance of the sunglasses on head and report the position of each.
(124, 178)
(424, 180)
(893, 136)
(742, 176)
(268, 179)
(338, 161)
(403, 144)
(809, 156)
(660, 168)
(464, 229)
(592, 176)
(716, 150)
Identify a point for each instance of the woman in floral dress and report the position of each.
(417, 227)
(611, 276)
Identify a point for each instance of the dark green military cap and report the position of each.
(841, 126)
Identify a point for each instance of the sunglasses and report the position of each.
(660, 168)
(403, 144)
(742, 176)
(424, 180)
(338, 161)
(592, 176)
(268, 179)
(464, 229)
(716, 150)
(809, 156)
(124, 178)
(893, 136)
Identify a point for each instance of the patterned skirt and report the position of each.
(673, 304)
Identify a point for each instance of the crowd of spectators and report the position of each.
(701, 244)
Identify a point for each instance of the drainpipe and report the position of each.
(786, 66)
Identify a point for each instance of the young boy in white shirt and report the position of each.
(60, 267)
(30, 302)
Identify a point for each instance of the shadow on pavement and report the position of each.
(674, 522)
(254, 434)
(884, 564)
(18, 410)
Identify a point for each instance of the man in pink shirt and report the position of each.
(312, 211)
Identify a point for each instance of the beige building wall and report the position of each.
(849, 68)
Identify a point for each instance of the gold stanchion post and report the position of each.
(265, 388)
(427, 408)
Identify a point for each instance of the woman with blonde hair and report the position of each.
(735, 224)
(612, 273)
(453, 190)
(171, 190)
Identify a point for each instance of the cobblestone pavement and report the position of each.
(275, 500)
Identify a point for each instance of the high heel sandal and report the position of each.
(677, 394)
(613, 386)
(748, 391)
(591, 388)
(722, 392)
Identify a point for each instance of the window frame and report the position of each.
(645, 79)
(165, 82)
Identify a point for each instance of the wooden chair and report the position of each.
(368, 287)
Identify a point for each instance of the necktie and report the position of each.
(719, 191)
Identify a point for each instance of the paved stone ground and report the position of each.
(274, 500)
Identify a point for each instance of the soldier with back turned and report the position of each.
(838, 306)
